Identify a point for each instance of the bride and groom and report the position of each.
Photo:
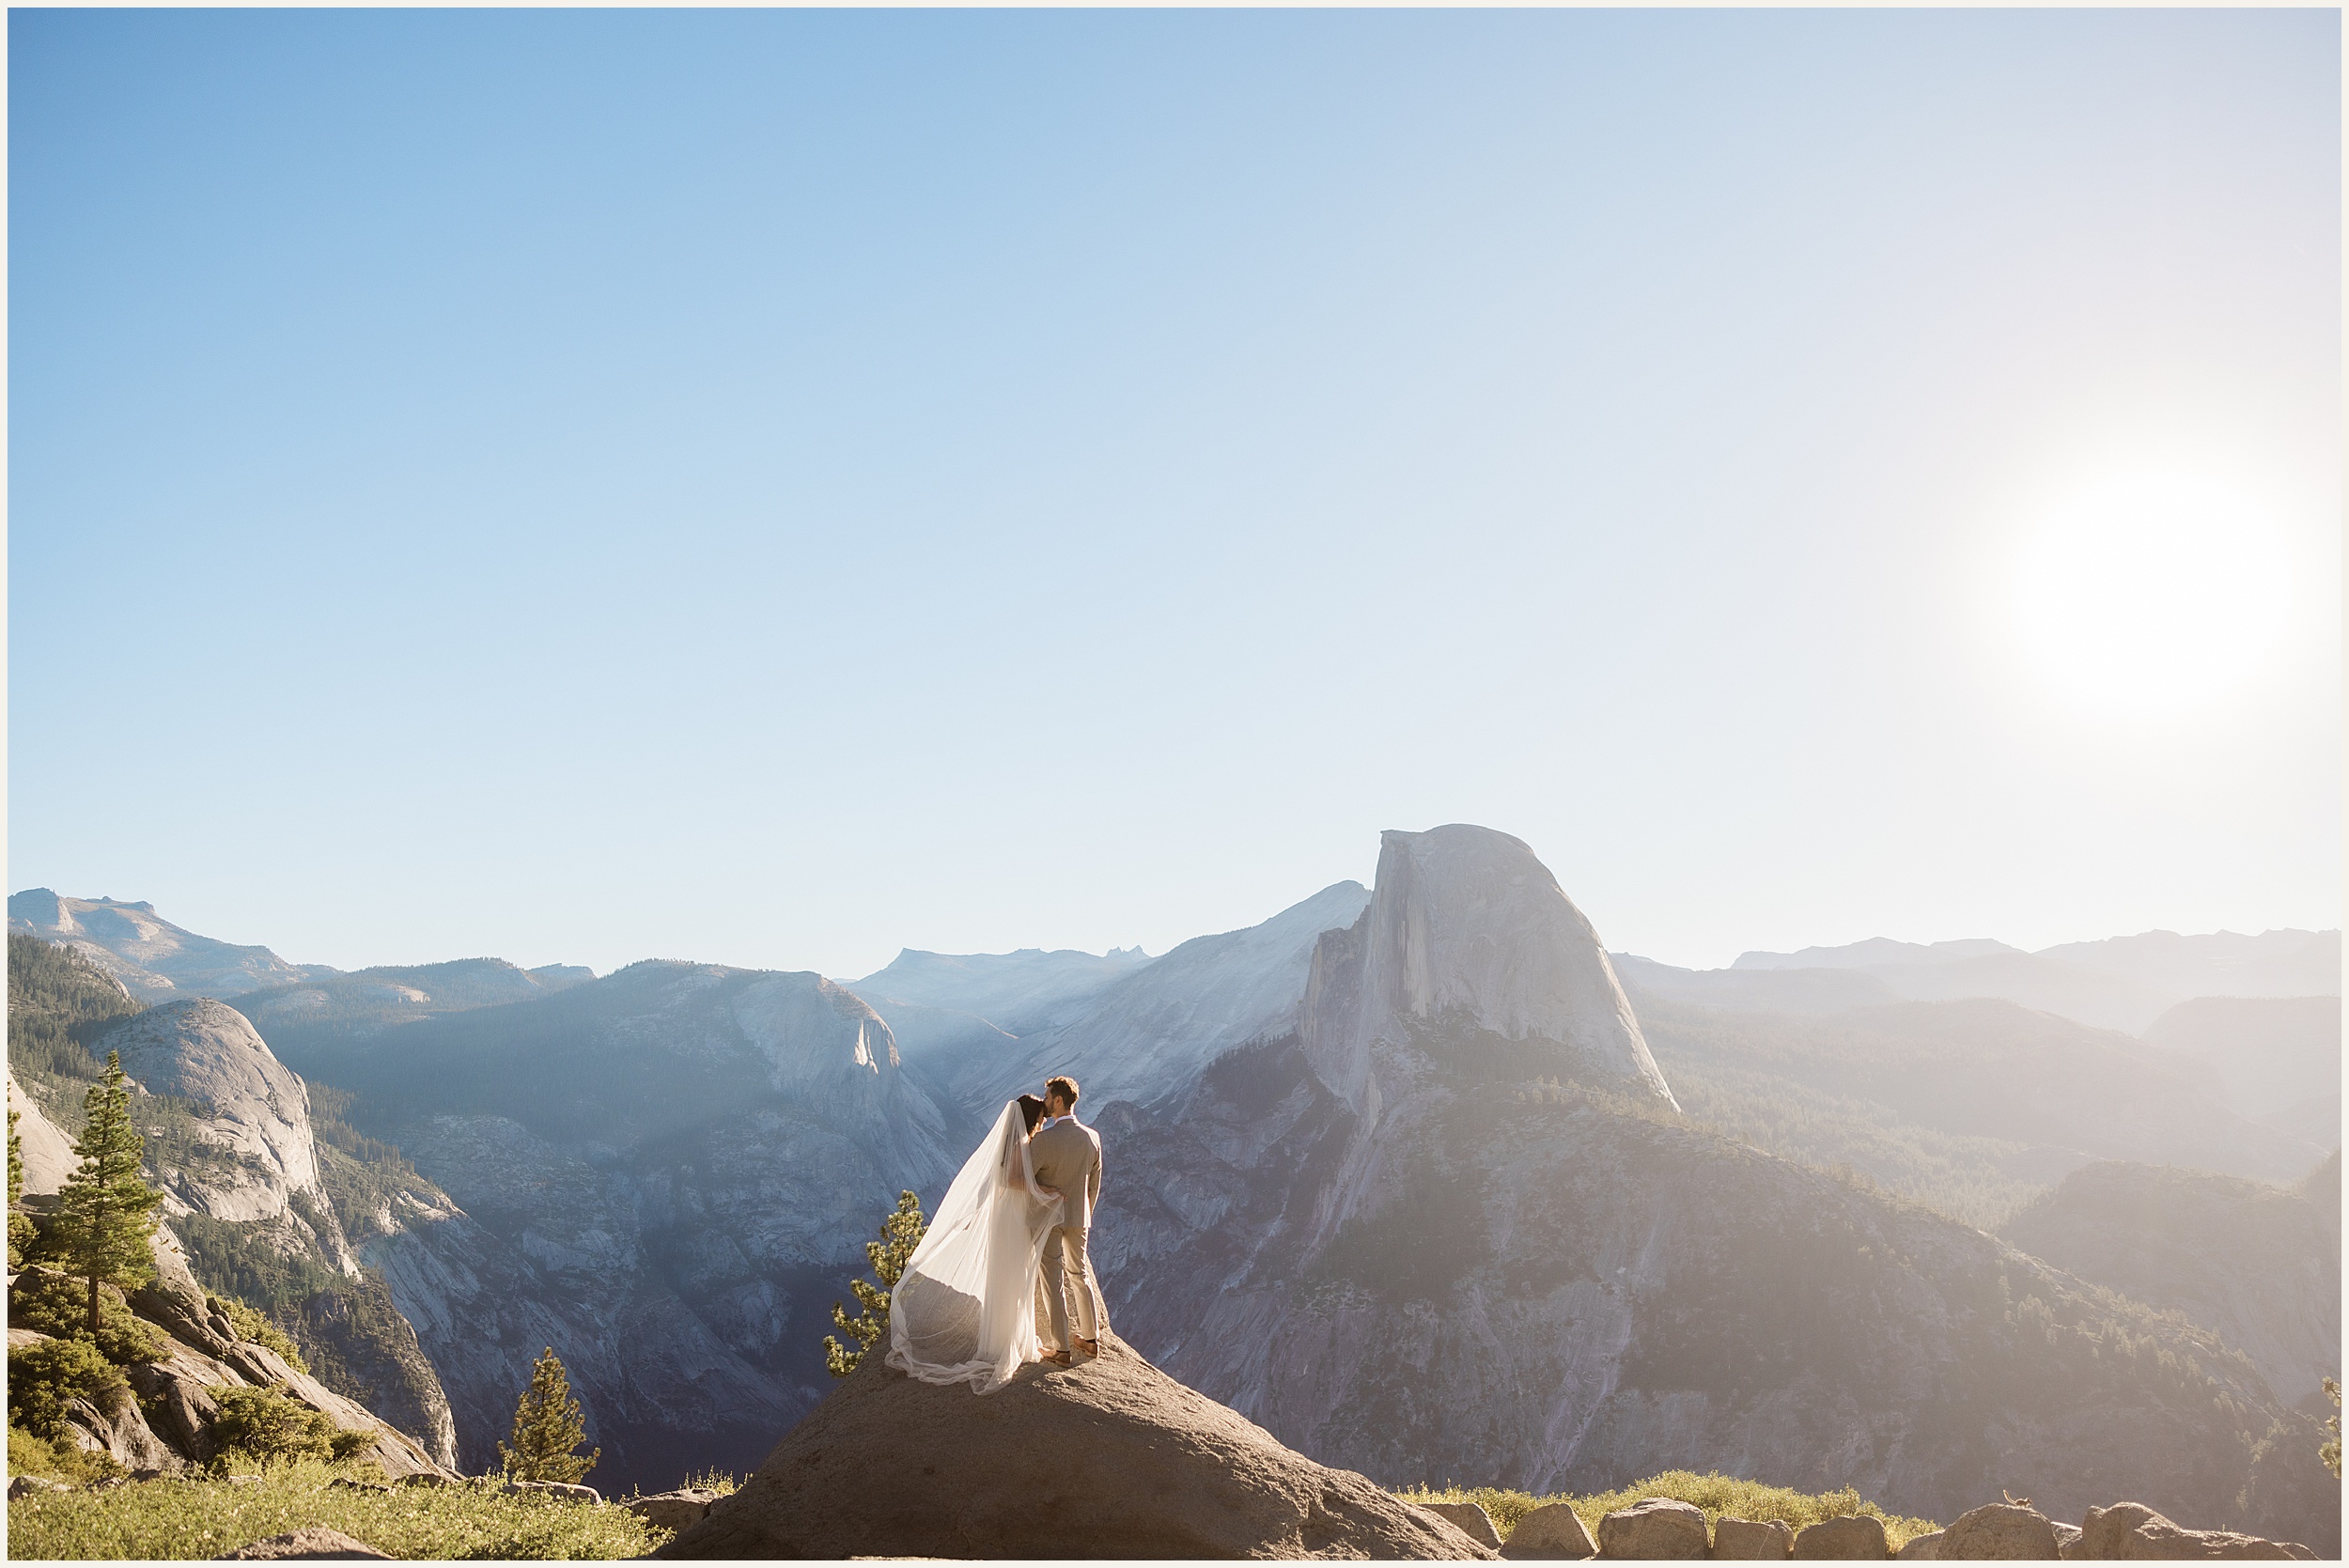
(1001, 1278)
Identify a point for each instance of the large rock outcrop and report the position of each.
(1469, 933)
(47, 1152)
(1109, 1458)
(251, 1107)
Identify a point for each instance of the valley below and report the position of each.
(1417, 1176)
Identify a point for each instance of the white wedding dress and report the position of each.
(965, 1308)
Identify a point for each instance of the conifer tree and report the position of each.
(2331, 1453)
(901, 1232)
(20, 1227)
(106, 1211)
(547, 1427)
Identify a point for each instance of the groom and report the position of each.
(1068, 1156)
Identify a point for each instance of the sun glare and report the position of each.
(2150, 594)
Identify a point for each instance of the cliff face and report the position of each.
(1468, 933)
(667, 1174)
(251, 1108)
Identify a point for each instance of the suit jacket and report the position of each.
(1067, 1157)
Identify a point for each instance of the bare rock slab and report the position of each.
(2131, 1531)
(672, 1509)
(1768, 1539)
(1470, 1518)
(565, 1490)
(1656, 1528)
(1552, 1531)
(1922, 1549)
(314, 1543)
(1847, 1536)
(2000, 1532)
(1109, 1458)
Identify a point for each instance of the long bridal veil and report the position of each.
(964, 1309)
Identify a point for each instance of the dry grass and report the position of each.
(187, 1518)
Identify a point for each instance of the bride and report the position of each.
(966, 1309)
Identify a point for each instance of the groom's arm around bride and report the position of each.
(1068, 1156)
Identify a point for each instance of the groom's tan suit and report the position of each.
(1067, 1157)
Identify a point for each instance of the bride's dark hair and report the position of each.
(1033, 1109)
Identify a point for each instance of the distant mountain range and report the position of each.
(1416, 1175)
(2124, 983)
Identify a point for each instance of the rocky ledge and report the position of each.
(1109, 1458)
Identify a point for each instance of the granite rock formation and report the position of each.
(1109, 1458)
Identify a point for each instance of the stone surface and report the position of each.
(315, 1543)
(121, 1434)
(1753, 1538)
(47, 1152)
(257, 1106)
(1051, 1465)
(2001, 1530)
(1922, 1548)
(26, 1485)
(1656, 1528)
(1552, 1531)
(672, 1509)
(1857, 1536)
(2131, 1531)
(563, 1490)
(1467, 927)
(1469, 1518)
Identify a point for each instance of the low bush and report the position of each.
(262, 1425)
(1719, 1495)
(48, 1374)
(256, 1326)
(57, 1304)
(57, 1459)
(191, 1519)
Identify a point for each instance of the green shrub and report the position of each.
(57, 1304)
(348, 1445)
(46, 1375)
(1717, 1495)
(265, 1426)
(57, 1459)
(253, 1324)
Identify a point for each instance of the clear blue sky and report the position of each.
(772, 488)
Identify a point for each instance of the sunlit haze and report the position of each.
(775, 487)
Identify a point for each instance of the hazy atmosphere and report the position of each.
(772, 488)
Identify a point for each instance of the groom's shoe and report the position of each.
(1060, 1357)
(1091, 1347)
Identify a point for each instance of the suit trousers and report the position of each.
(1068, 1273)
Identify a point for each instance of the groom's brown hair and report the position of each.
(1064, 1087)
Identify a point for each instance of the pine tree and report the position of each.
(547, 1427)
(105, 1211)
(19, 1226)
(2331, 1453)
(901, 1232)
